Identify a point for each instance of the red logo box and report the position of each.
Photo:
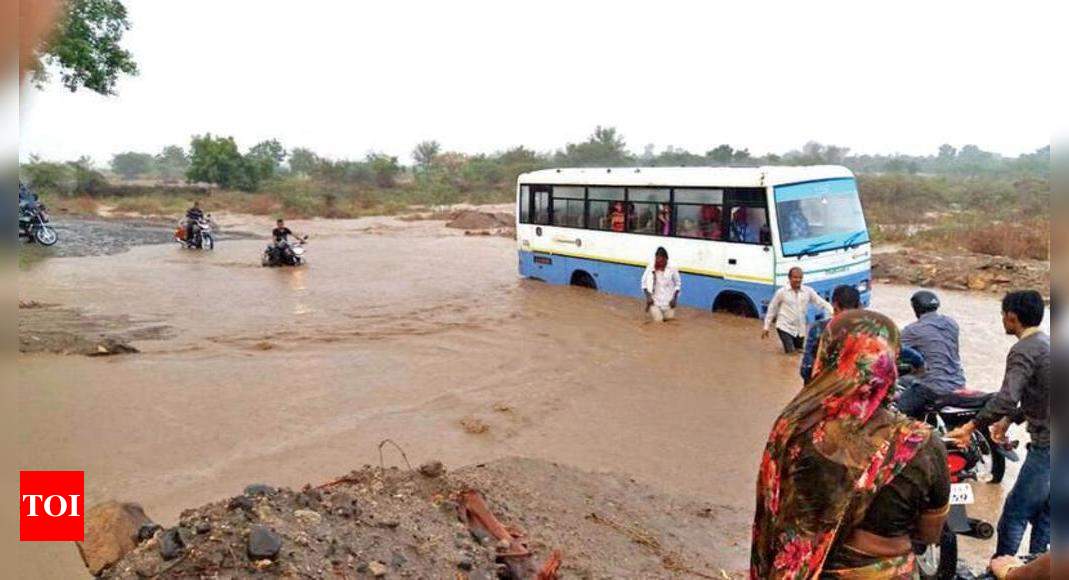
(51, 506)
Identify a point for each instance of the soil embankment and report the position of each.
(392, 522)
(970, 271)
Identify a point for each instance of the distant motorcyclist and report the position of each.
(281, 236)
(936, 337)
(193, 215)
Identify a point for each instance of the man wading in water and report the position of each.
(661, 285)
(789, 309)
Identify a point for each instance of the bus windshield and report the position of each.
(819, 216)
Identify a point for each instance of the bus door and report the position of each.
(748, 253)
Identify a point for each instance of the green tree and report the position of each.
(217, 160)
(267, 157)
(47, 176)
(384, 169)
(172, 163)
(85, 47)
(86, 178)
(741, 156)
(604, 147)
(425, 152)
(131, 164)
(303, 161)
(721, 154)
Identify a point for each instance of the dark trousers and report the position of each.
(1027, 503)
(790, 342)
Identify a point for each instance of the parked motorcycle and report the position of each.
(202, 238)
(284, 253)
(33, 225)
(940, 561)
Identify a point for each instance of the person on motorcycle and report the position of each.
(281, 236)
(1024, 397)
(936, 337)
(193, 215)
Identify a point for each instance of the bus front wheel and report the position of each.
(734, 303)
(584, 280)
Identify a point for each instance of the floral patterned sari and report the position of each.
(830, 451)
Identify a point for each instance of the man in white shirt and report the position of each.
(788, 310)
(661, 284)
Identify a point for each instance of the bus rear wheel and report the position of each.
(583, 280)
(734, 303)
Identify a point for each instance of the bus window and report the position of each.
(568, 206)
(749, 225)
(698, 213)
(649, 212)
(525, 204)
(540, 204)
(606, 209)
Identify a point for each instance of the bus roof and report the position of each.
(686, 176)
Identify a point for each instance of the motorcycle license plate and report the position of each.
(961, 494)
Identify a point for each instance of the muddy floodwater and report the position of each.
(402, 330)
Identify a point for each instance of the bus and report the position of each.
(733, 232)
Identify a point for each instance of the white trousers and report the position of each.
(662, 313)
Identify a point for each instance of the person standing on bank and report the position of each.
(1025, 396)
(661, 285)
(789, 309)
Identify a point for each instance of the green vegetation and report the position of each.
(84, 47)
(953, 198)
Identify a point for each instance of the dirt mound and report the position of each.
(54, 329)
(978, 272)
(402, 523)
(478, 220)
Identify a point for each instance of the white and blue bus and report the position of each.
(733, 233)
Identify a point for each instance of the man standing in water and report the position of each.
(789, 310)
(661, 285)
(1025, 396)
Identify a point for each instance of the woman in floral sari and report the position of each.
(846, 484)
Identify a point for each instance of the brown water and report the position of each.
(401, 330)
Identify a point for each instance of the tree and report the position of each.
(741, 156)
(604, 147)
(721, 154)
(384, 169)
(85, 47)
(303, 161)
(425, 152)
(266, 157)
(86, 178)
(947, 152)
(172, 163)
(217, 160)
(132, 164)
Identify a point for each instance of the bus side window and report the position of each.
(606, 209)
(540, 204)
(525, 204)
(749, 225)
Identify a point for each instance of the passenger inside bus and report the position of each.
(617, 220)
(709, 222)
(741, 228)
(664, 220)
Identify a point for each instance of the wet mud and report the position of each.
(415, 332)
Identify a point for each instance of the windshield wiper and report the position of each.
(850, 241)
(809, 249)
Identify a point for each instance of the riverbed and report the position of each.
(412, 332)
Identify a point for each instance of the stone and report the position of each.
(308, 517)
(259, 489)
(432, 469)
(203, 527)
(171, 544)
(377, 569)
(240, 502)
(264, 544)
(465, 563)
(111, 531)
(398, 560)
(146, 531)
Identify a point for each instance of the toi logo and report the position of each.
(51, 506)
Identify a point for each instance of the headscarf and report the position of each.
(832, 449)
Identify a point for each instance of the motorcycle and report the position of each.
(202, 238)
(940, 561)
(33, 225)
(284, 253)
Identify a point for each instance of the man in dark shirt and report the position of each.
(1025, 396)
(935, 336)
(843, 297)
(281, 236)
(193, 215)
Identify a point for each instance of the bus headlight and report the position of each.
(863, 286)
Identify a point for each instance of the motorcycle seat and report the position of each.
(967, 401)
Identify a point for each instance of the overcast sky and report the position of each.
(346, 77)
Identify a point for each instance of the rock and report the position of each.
(377, 569)
(263, 543)
(308, 517)
(432, 468)
(978, 282)
(259, 489)
(171, 544)
(398, 560)
(146, 531)
(111, 530)
(203, 527)
(465, 563)
(240, 502)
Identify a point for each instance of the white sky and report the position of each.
(345, 77)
